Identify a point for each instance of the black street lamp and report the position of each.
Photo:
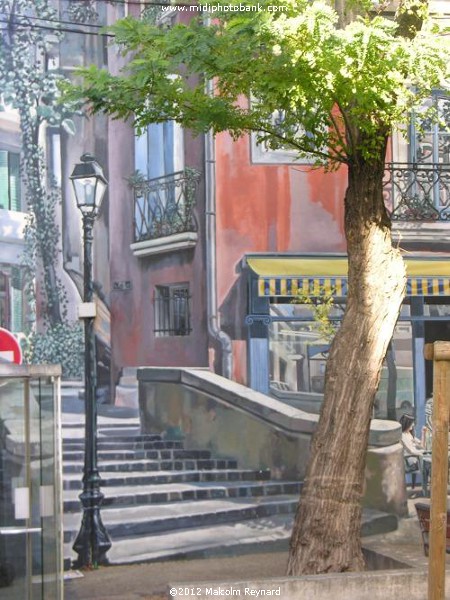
(92, 542)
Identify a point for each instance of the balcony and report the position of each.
(417, 197)
(164, 218)
(417, 192)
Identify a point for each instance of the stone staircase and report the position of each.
(162, 501)
(127, 391)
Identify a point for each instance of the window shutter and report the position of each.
(16, 300)
(14, 182)
(4, 183)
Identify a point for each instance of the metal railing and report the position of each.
(417, 191)
(164, 206)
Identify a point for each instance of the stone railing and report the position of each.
(211, 412)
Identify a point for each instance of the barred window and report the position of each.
(172, 310)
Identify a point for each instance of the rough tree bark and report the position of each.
(326, 534)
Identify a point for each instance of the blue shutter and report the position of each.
(168, 147)
(16, 300)
(14, 182)
(4, 180)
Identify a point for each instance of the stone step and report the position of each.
(73, 481)
(188, 464)
(113, 455)
(128, 381)
(118, 497)
(130, 371)
(156, 518)
(127, 394)
(106, 444)
(74, 420)
(77, 433)
(155, 455)
(108, 424)
(119, 439)
(256, 535)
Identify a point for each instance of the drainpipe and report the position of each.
(214, 329)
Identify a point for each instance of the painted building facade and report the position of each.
(210, 303)
(12, 223)
(269, 225)
(148, 249)
(201, 245)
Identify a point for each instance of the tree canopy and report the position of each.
(334, 89)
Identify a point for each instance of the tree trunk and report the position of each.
(326, 534)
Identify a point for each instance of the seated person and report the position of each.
(412, 446)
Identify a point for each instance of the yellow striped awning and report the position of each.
(287, 276)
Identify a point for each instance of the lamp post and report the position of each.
(92, 542)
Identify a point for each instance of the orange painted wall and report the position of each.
(272, 208)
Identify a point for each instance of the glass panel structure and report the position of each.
(298, 354)
(395, 394)
(31, 562)
(298, 348)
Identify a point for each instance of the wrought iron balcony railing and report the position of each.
(417, 191)
(164, 206)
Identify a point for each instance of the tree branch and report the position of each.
(292, 142)
(410, 16)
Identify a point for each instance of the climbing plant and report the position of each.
(29, 85)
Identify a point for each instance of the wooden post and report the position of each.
(439, 352)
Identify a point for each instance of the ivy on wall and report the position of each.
(30, 86)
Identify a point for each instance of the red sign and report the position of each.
(9, 348)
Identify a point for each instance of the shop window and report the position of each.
(10, 192)
(299, 350)
(395, 394)
(172, 311)
(298, 354)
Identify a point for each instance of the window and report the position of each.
(261, 153)
(10, 192)
(420, 189)
(4, 301)
(172, 310)
(12, 298)
(159, 151)
(430, 138)
(158, 155)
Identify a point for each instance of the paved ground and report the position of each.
(149, 581)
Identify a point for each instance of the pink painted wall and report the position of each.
(133, 311)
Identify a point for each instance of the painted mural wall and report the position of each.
(277, 207)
